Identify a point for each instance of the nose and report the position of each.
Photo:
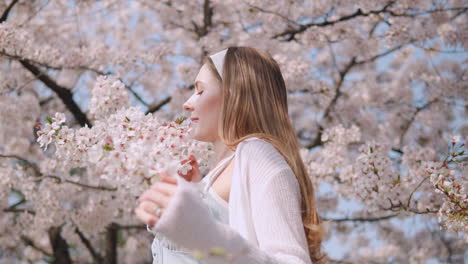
(188, 106)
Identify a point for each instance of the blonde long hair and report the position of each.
(255, 105)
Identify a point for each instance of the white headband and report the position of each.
(218, 60)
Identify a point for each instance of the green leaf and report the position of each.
(49, 119)
(180, 120)
(128, 119)
(107, 147)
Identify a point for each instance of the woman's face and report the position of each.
(205, 106)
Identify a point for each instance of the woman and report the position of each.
(257, 205)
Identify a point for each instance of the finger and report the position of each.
(155, 196)
(167, 189)
(150, 208)
(163, 174)
(168, 179)
(145, 217)
(195, 169)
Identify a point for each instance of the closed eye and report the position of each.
(200, 92)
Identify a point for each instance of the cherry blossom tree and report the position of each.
(377, 94)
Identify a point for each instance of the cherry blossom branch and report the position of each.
(291, 33)
(408, 124)
(20, 202)
(57, 179)
(29, 242)
(79, 67)
(360, 219)
(155, 107)
(461, 10)
(271, 12)
(16, 210)
(29, 163)
(7, 11)
(60, 180)
(400, 206)
(342, 74)
(334, 261)
(98, 258)
(46, 100)
(128, 87)
(439, 50)
(414, 190)
(63, 93)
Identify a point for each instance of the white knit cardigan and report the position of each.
(265, 224)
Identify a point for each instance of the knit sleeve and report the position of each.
(275, 201)
(275, 212)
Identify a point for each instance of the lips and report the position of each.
(194, 119)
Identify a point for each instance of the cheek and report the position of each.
(209, 111)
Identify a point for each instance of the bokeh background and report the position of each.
(377, 92)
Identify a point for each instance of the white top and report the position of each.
(164, 250)
(265, 224)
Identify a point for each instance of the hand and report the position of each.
(194, 174)
(159, 195)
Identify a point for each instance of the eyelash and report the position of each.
(199, 92)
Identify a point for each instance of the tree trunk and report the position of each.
(59, 246)
(111, 244)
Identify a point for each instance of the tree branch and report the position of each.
(97, 258)
(63, 93)
(317, 141)
(339, 84)
(290, 33)
(29, 242)
(405, 127)
(79, 67)
(16, 210)
(30, 164)
(360, 219)
(271, 12)
(59, 180)
(155, 107)
(5, 13)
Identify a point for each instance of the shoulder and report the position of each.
(260, 156)
(255, 145)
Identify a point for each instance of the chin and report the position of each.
(201, 136)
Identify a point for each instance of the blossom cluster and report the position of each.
(107, 96)
(453, 185)
(126, 147)
(374, 180)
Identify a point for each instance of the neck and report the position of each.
(221, 150)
